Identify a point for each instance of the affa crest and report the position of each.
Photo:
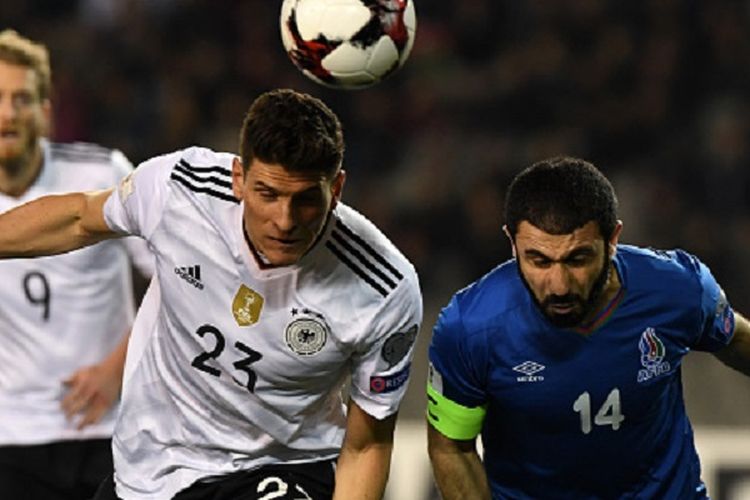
(246, 306)
(652, 356)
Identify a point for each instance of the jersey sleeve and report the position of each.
(456, 398)
(136, 206)
(382, 366)
(122, 167)
(140, 256)
(137, 249)
(716, 315)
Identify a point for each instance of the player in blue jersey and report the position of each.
(567, 358)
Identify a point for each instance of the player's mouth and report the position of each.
(562, 308)
(285, 243)
(10, 138)
(9, 135)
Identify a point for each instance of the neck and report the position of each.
(260, 259)
(17, 176)
(611, 287)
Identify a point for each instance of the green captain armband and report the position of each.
(453, 420)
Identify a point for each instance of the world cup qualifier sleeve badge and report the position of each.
(307, 334)
(397, 345)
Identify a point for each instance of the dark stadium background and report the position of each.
(653, 92)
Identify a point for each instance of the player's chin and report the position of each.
(10, 152)
(567, 319)
(285, 255)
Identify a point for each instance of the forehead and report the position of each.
(17, 77)
(530, 237)
(281, 179)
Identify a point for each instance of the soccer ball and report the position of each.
(348, 43)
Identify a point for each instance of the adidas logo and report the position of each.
(191, 274)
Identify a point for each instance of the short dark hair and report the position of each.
(560, 195)
(294, 130)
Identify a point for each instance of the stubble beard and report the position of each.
(17, 162)
(578, 314)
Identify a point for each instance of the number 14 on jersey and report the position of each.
(609, 413)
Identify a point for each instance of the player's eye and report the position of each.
(308, 198)
(266, 194)
(579, 260)
(22, 100)
(541, 262)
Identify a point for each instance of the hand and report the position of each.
(92, 391)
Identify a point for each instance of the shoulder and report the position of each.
(194, 172)
(368, 256)
(88, 161)
(81, 152)
(489, 300)
(484, 309)
(469, 330)
(204, 173)
(655, 268)
(170, 189)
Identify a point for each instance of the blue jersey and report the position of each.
(584, 414)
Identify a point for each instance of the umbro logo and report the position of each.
(191, 274)
(529, 369)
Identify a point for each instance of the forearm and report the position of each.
(459, 472)
(362, 474)
(115, 361)
(365, 459)
(460, 476)
(52, 225)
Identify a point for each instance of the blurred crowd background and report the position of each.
(654, 92)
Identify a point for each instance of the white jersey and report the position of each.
(61, 313)
(233, 366)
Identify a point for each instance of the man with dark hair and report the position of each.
(64, 320)
(270, 294)
(567, 358)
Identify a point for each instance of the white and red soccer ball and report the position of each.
(348, 43)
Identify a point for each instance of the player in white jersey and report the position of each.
(271, 295)
(63, 320)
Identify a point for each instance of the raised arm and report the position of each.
(737, 353)
(54, 224)
(364, 463)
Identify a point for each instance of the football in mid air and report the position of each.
(348, 43)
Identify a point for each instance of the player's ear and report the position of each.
(615, 239)
(47, 117)
(238, 178)
(337, 187)
(510, 237)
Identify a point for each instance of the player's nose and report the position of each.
(558, 280)
(7, 110)
(284, 217)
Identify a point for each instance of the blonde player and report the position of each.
(63, 320)
(271, 295)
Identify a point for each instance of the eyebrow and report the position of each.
(260, 185)
(578, 251)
